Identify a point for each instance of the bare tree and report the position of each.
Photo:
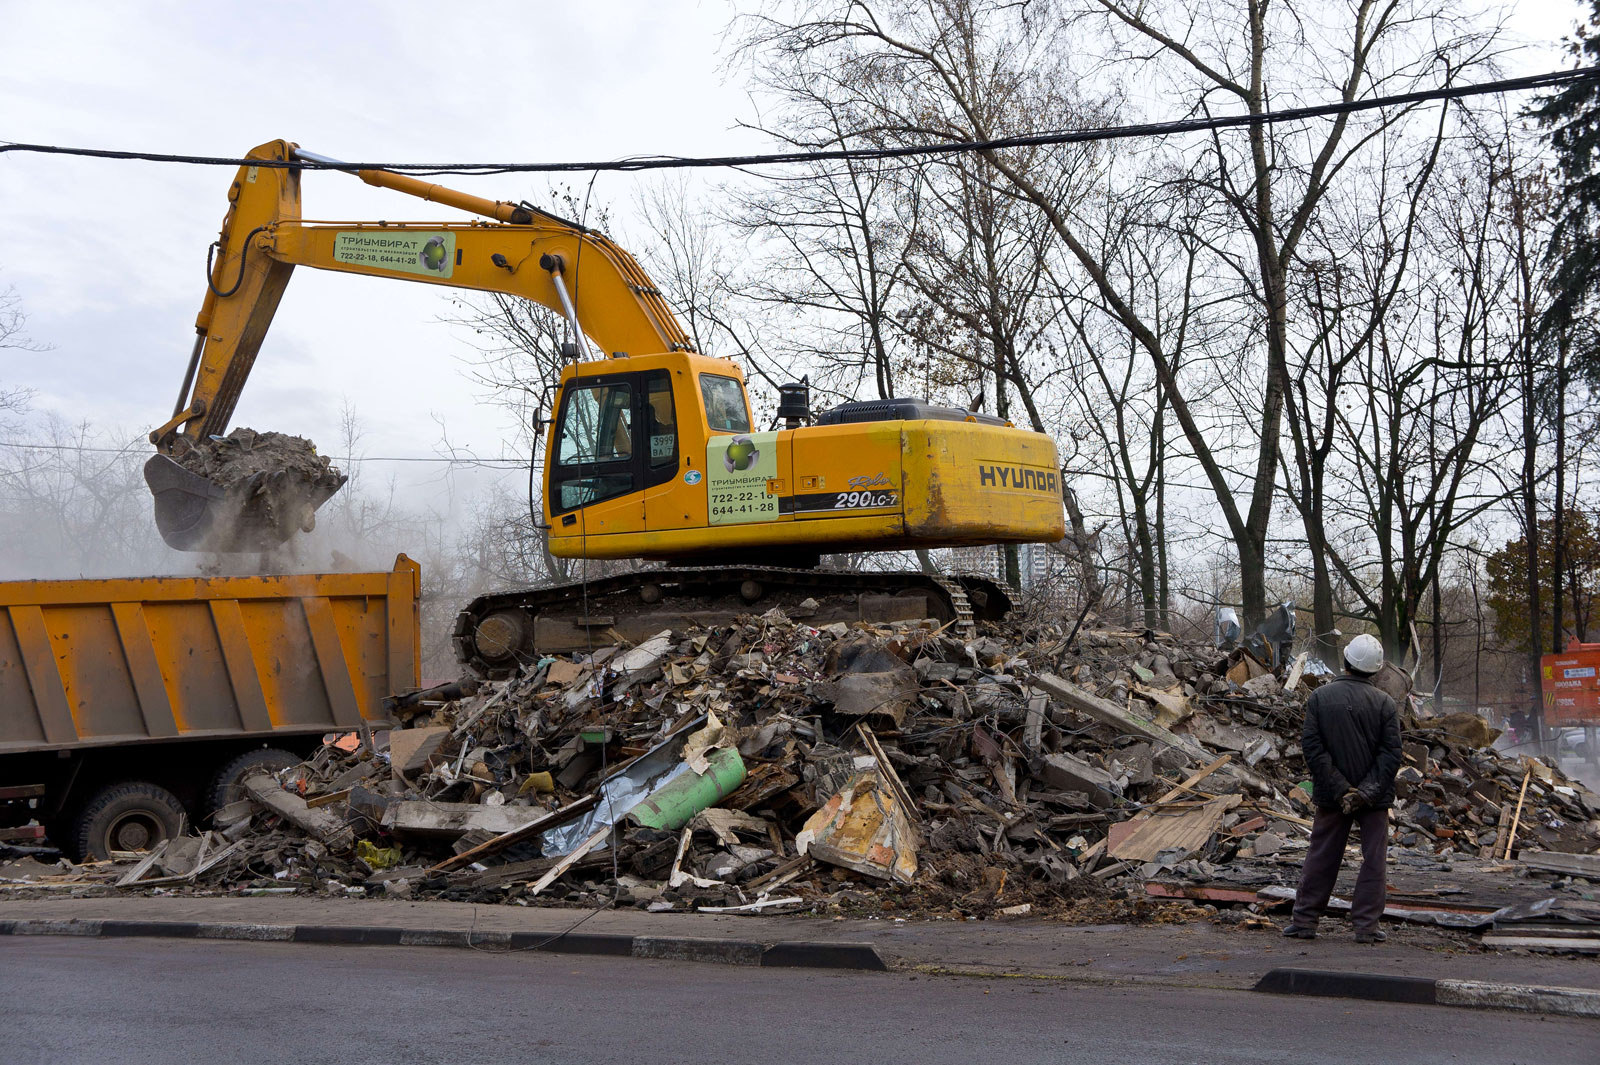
(1356, 267)
(1419, 421)
(14, 335)
(73, 504)
(834, 239)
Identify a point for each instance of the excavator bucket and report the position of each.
(258, 513)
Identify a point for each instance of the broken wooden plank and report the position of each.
(329, 799)
(23, 832)
(1033, 722)
(1198, 892)
(761, 784)
(677, 878)
(1584, 865)
(1189, 782)
(1562, 944)
(1447, 917)
(1516, 819)
(781, 875)
(1296, 671)
(201, 867)
(752, 907)
(570, 860)
(1186, 831)
(907, 806)
(540, 823)
(133, 875)
(1109, 713)
(522, 872)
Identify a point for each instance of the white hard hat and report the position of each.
(1364, 654)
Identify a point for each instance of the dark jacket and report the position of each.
(1351, 739)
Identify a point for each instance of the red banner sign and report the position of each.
(1571, 684)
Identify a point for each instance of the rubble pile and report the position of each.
(776, 766)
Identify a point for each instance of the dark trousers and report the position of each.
(1329, 831)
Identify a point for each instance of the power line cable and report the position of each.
(1546, 80)
(501, 463)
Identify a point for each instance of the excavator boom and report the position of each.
(576, 272)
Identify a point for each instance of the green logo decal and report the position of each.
(740, 454)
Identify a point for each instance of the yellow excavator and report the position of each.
(652, 452)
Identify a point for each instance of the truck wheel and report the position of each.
(228, 785)
(132, 816)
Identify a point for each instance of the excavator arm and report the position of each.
(516, 249)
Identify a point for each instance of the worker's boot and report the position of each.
(1297, 931)
(1375, 935)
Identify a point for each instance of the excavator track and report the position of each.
(497, 634)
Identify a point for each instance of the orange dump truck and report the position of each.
(129, 705)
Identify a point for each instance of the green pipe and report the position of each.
(675, 803)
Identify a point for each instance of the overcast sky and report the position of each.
(109, 257)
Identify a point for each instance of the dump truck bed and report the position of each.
(87, 663)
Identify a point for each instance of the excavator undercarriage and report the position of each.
(495, 635)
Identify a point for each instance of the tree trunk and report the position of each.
(1147, 564)
(1164, 591)
(1438, 646)
(1013, 567)
(1530, 521)
(1558, 533)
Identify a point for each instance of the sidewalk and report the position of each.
(1196, 954)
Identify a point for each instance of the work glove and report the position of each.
(1352, 800)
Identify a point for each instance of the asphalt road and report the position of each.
(142, 1000)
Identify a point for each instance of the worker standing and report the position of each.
(1351, 741)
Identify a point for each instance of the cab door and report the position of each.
(670, 501)
(597, 471)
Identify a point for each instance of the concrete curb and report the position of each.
(672, 948)
(1473, 994)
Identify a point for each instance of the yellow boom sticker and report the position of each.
(404, 251)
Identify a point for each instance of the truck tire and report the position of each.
(131, 816)
(227, 785)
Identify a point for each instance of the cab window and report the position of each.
(614, 435)
(725, 406)
(595, 427)
(660, 421)
(594, 447)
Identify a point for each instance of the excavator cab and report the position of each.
(616, 434)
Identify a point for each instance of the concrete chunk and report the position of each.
(449, 820)
(263, 789)
(1067, 773)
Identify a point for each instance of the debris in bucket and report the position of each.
(280, 474)
(244, 453)
(771, 766)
